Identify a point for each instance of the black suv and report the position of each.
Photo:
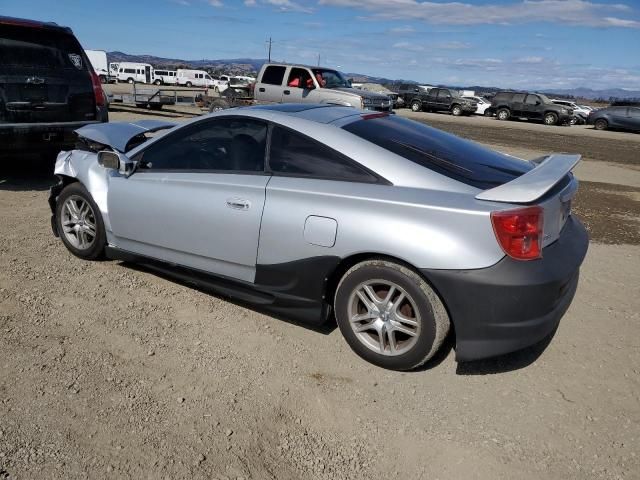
(47, 87)
(530, 106)
(440, 99)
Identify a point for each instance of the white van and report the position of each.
(194, 78)
(135, 72)
(164, 77)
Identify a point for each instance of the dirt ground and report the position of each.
(110, 371)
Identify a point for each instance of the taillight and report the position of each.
(97, 89)
(519, 232)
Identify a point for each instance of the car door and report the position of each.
(531, 107)
(300, 87)
(444, 99)
(517, 105)
(432, 99)
(196, 198)
(631, 119)
(270, 86)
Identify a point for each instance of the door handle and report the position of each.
(238, 204)
(261, 89)
(287, 92)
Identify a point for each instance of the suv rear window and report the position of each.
(459, 159)
(39, 48)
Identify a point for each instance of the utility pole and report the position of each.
(269, 42)
(318, 59)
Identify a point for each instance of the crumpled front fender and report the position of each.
(83, 166)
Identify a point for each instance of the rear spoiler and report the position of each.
(118, 134)
(535, 183)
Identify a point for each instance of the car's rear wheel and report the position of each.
(130, 80)
(550, 118)
(218, 105)
(158, 82)
(601, 124)
(189, 84)
(389, 315)
(503, 114)
(79, 223)
(456, 110)
(416, 106)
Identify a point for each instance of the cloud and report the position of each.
(453, 45)
(574, 12)
(184, 3)
(282, 5)
(402, 29)
(216, 3)
(250, 3)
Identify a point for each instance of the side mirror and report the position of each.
(538, 102)
(109, 160)
(116, 161)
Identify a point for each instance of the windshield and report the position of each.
(330, 78)
(462, 160)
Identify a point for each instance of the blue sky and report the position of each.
(508, 43)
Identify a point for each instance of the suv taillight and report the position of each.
(519, 232)
(97, 89)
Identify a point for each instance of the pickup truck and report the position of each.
(284, 83)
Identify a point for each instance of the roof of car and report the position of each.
(316, 112)
(25, 22)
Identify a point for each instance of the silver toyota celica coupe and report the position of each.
(401, 231)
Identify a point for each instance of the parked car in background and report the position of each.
(529, 106)
(580, 114)
(377, 88)
(443, 99)
(408, 91)
(165, 77)
(194, 78)
(286, 83)
(132, 72)
(622, 117)
(98, 59)
(275, 205)
(48, 88)
(483, 103)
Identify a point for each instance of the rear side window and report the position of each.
(297, 155)
(273, 75)
(518, 98)
(502, 97)
(39, 48)
(441, 152)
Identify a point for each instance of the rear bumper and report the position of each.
(513, 304)
(30, 137)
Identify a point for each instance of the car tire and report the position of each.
(158, 82)
(130, 80)
(416, 106)
(488, 113)
(550, 118)
(79, 223)
(189, 84)
(601, 124)
(456, 110)
(394, 344)
(103, 79)
(218, 105)
(503, 114)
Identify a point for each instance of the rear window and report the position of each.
(273, 75)
(40, 48)
(459, 159)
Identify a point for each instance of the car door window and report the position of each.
(444, 95)
(273, 75)
(300, 78)
(634, 112)
(433, 94)
(532, 99)
(518, 98)
(294, 154)
(227, 145)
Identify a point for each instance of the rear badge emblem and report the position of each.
(76, 60)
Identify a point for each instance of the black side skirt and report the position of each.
(294, 290)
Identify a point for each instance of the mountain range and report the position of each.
(244, 66)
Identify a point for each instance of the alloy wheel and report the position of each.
(78, 222)
(384, 317)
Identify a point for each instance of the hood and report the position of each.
(118, 134)
(363, 93)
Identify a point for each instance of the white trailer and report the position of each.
(194, 78)
(135, 72)
(98, 59)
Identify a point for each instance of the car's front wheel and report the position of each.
(79, 223)
(456, 110)
(550, 118)
(389, 315)
(416, 106)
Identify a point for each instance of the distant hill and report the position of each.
(243, 66)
